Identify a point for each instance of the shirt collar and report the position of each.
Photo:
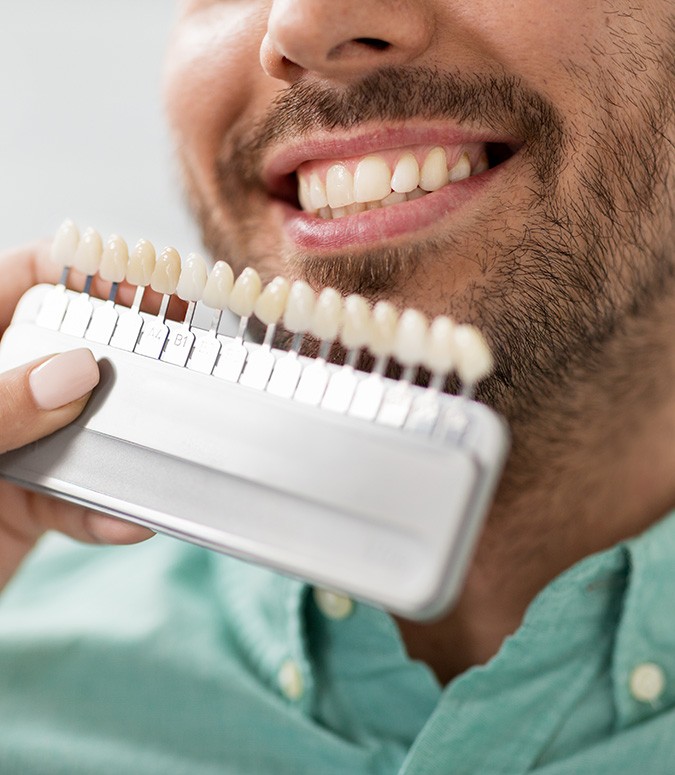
(610, 613)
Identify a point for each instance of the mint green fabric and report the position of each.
(164, 659)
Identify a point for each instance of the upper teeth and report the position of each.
(345, 188)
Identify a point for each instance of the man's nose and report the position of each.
(341, 39)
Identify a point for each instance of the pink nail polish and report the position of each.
(63, 378)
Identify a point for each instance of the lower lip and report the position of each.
(313, 233)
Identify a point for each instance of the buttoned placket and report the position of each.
(644, 661)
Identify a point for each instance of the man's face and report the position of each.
(567, 235)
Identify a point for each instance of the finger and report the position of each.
(38, 398)
(78, 522)
(21, 269)
(26, 515)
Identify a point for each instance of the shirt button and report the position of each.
(332, 605)
(290, 680)
(647, 682)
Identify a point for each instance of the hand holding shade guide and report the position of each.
(360, 483)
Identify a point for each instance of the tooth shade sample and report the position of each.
(271, 303)
(372, 179)
(299, 307)
(439, 353)
(410, 338)
(218, 286)
(193, 277)
(141, 263)
(406, 175)
(87, 258)
(434, 172)
(114, 260)
(461, 170)
(339, 186)
(166, 273)
(65, 243)
(356, 322)
(327, 315)
(474, 359)
(317, 193)
(245, 293)
(383, 329)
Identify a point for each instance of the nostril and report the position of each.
(356, 48)
(376, 43)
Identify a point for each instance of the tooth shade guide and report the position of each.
(64, 245)
(181, 339)
(296, 320)
(142, 259)
(114, 262)
(87, 260)
(191, 283)
(54, 306)
(325, 323)
(62, 251)
(179, 343)
(153, 336)
(129, 326)
(153, 342)
(395, 406)
(103, 323)
(314, 378)
(268, 309)
(341, 388)
(218, 286)
(258, 367)
(153, 422)
(408, 347)
(325, 318)
(241, 301)
(164, 279)
(204, 353)
(474, 359)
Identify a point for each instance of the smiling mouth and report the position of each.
(332, 189)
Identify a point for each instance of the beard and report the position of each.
(558, 276)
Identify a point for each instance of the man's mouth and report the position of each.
(335, 190)
(338, 192)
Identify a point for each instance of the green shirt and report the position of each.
(164, 658)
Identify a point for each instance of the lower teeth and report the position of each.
(394, 198)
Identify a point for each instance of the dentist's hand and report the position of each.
(35, 400)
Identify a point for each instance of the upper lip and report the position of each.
(285, 160)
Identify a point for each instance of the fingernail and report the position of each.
(63, 378)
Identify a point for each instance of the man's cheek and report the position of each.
(212, 73)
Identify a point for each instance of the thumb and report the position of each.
(41, 397)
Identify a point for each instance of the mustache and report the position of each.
(397, 94)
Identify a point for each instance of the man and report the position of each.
(561, 251)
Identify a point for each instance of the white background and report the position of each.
(82, 133)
